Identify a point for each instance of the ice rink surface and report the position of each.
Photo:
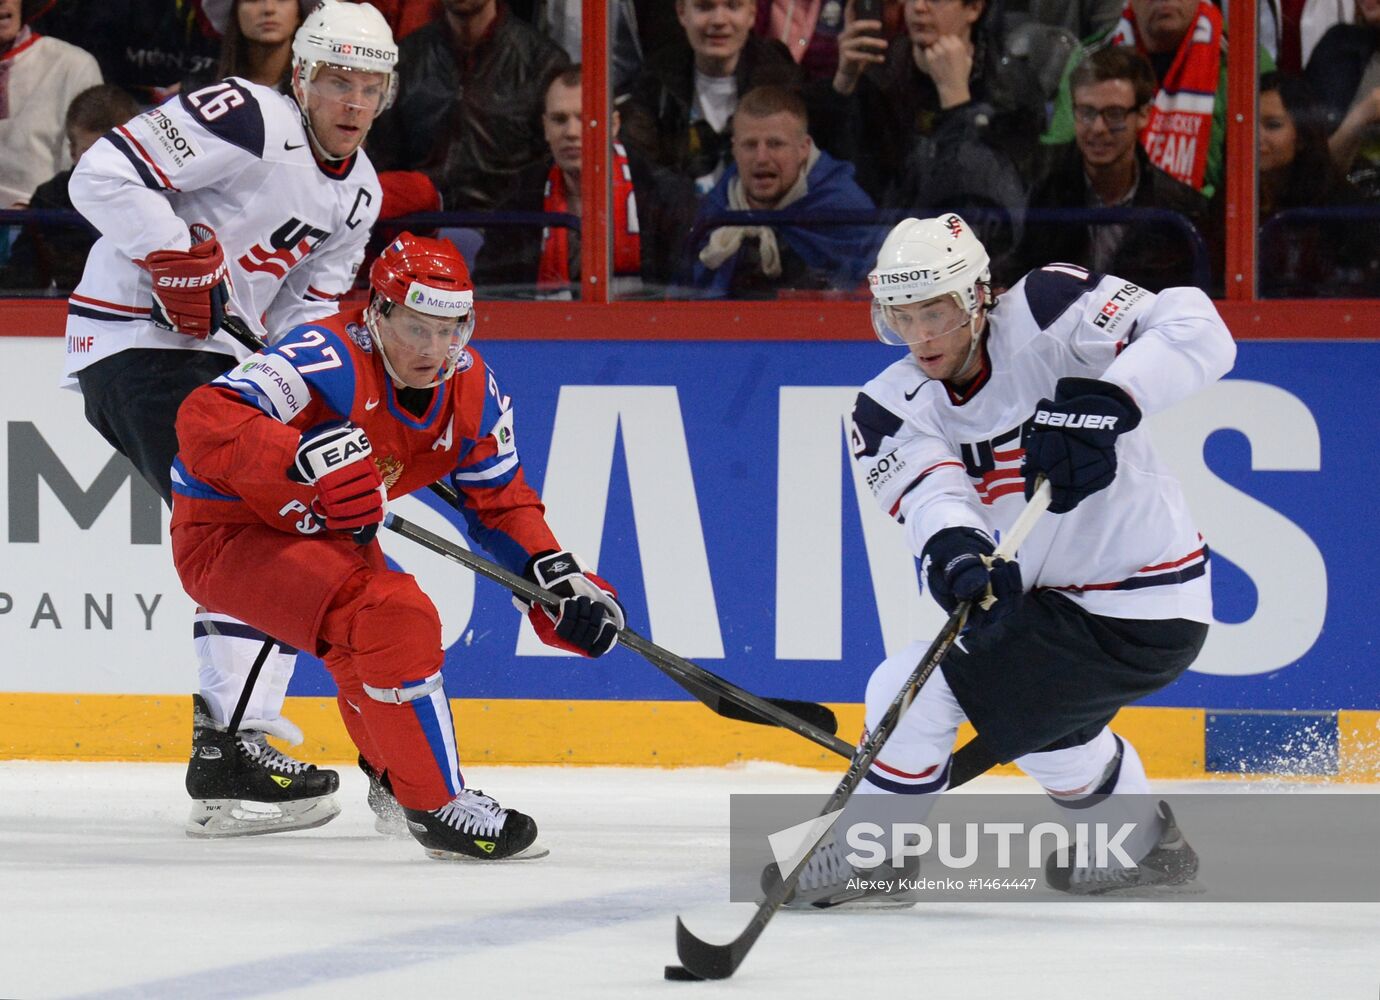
(102, 895)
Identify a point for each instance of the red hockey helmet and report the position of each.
(429, 277)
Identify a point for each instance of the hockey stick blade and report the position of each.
(719, 961)
(822, 717)
(813, 721)
(712, 690)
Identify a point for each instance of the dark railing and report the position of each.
(1277, 227)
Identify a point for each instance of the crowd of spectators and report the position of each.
(762, 147)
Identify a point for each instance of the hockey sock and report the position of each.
(412, 728)
(1102, 781)
(226, 649)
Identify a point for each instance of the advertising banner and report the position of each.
(711, 483)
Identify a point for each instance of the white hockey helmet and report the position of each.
(348, 35)
(924, 259)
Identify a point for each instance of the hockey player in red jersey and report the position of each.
(231, 199)
(1110, 598)
(285, 466)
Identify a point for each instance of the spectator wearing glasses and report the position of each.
(1106, 167)
(1187, 48)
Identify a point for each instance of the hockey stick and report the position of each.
(719, 961)
(814, 722)
(719, 697)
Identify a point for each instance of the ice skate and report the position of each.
(389, 818)
(1172, 862)
(241, 786)
(828, 880)
(472, 826)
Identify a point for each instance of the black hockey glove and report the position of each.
(1072, 440)
(590, 616)
(960, 569)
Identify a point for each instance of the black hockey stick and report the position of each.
(718, 698)
(970, 761)
(719, 961)
(814, 722)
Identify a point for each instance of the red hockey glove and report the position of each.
(190, 287)
(349, 490)
(590, 616)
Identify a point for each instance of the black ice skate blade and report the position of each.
(532, 853)
(680, 974)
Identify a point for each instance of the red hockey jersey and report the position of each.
(238, 437)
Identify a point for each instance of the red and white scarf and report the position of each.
(554, 269)
(1179, 132)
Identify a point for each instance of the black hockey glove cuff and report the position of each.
(1072, 440)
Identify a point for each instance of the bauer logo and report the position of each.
(1073, 421)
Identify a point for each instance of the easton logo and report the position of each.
(955, 226)
(1088, 421)
(285, 249)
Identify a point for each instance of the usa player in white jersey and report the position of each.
(237, 200)
(1110, 599)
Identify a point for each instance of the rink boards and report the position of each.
(710, 482)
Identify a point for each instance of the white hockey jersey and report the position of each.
(235, 156)
(934, 459)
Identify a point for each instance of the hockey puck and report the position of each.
(681, 974)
